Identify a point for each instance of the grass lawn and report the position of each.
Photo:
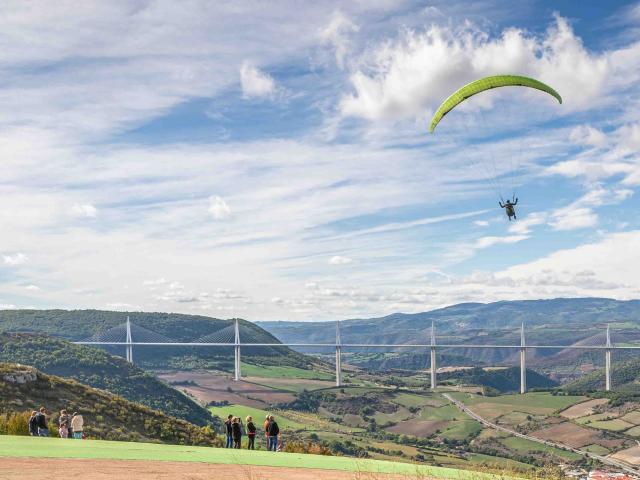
(446, 412)
(616, 425)
(268, 371)
(257, 414)
(597, 449)
(11, 446)
(461, 429)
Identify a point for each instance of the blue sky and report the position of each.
(269, 162)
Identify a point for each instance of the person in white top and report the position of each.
(77, 423)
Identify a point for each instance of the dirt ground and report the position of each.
(55, 469)
(630, 455)
(211, 387)
(583, 409)
(573, 435)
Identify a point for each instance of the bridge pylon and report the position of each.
(523, 359)
(607, 363)
(338, 355)
(434, 366)
(237, 374)
(129, 341)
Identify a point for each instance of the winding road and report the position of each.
(487, 423)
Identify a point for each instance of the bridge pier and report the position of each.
(607, 363)
(129, 347)
(237, 374)
(434, 367)
(523, 365)
(338, 356)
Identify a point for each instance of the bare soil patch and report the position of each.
(569, 434)
(418, 428)
(54, 469)
(217, 388)
(630, 455)
(583, 409)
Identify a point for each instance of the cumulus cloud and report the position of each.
(15, 259)
(256, 83)
(219, 208)
(337, 34)
(84, 210)
(403, 78)
(339, 260)
(33, 288)
(588, 135)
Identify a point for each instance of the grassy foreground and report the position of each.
(15, 446)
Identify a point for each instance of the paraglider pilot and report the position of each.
(508, 208)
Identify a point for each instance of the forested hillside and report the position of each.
(99, 369)
(502, 380)
(106, 416)
(625, 377)
(80, 324)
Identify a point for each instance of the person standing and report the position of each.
(77, 424)
(274, 431)
(63, 424)
(229, 431)
(236, 428)
(41, 422)
(251, 433)
(33, 424)
(266, 431)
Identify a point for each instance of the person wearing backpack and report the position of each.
(33, 424)
(274, 431)
(41, 422)
(251, 433)
(236, 428)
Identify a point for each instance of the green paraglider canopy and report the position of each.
(488, 83)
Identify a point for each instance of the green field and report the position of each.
(524, 446)
(257, 414)
(270, 371)
(11, 446)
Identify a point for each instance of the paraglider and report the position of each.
(481, 85)
(508, 208)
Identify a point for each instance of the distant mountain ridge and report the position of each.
(561, 321)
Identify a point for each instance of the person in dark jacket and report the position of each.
(33, 424)
(229, 431)
(251, 433)
(41, 422)
(274, 431)
(236, 428)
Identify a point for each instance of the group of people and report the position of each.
(69, 426)
(235, 430)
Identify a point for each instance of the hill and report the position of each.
(106, 416)
(76, 325)
(99, 369)
(561, 321)
(503, 380)
(625, 376)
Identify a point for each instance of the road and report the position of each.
(487, 423)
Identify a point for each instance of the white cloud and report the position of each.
(339, 260)
(337, 34)
(256, 83)
(84, 210)
(15, 259)
(523, 226)
(33, 288)
(572, 218)
(481, 223)
(486, 242)
(587, 135)
(219, 208)
(407, 77)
